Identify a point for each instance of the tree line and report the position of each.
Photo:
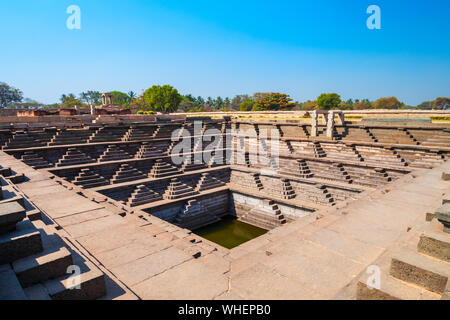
(167, 99)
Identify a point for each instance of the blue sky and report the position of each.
(224, 48)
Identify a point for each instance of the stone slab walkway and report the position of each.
(315, 257)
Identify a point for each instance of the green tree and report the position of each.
(121, 99)
(9, 95)
(426, 105)
(238, 99)
(273, 101)
(138, 103)
(247, 105)
(261, 95)
(387, 103)
(441, 103)
(187, 104)
(70, 101)
(190, 98)
(91, 97)
(209, 102)
(132, 95)
(362, 105)
(328, 101)
(164, 99)
(200, 102)
(218, 103)
(309, 105)
(346, 105)
(227, 102)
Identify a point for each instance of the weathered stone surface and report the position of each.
(188, 274)
(430, 274)
(22, 242)
(10, 286)
(435, 244)
(141, 269)
(92, 286)
(326, 240)
(41, 267)
(443, 215)
(10, 214)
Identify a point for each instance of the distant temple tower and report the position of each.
(107, 99)
(108, 107)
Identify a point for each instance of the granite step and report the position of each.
(11, 213)
(49, 264)
(435, 243)
(23, 242)
(443, 216)
(9, 280)
(91, 285)
(420, 270)
(391, 289)
(37, 292)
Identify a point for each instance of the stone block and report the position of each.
(23, 242)
(443, 216)
(46, 265)
(10, 286)
(92, 286)
(34, 215)
(446, 198)
(435, 244)
(419, 270)
(10, 214)
(6, 172)
(18, 178)
(37, 292)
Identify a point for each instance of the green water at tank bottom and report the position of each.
(229, 232)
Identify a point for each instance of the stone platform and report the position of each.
(333, 209)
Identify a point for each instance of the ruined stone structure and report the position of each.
(111, 199)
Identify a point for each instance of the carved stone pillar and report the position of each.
(330, 124)
(314, 124)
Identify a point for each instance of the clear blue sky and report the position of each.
(224, 48)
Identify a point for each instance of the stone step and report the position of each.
(260, 223)
(443, 216)
(48, 264)
(446, 295)
(91, 286)
(23, 242)
(6, 172)
(88, 179)
(392, 289)
(17, 178)
(10, 288)
(263, 218)
(420, 270)
(10, 214)
(37, 292)
(435, 244)
(196, 222)
(446, 198)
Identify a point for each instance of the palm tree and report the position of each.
(132, 95)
